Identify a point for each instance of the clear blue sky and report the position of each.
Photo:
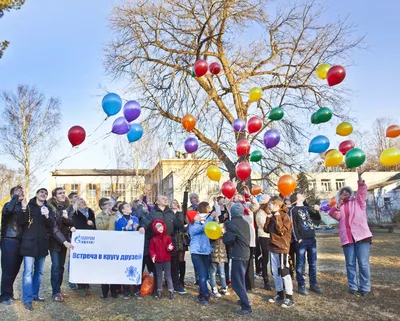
(58, 46)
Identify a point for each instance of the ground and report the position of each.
(334, 304)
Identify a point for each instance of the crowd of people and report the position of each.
(270, 234)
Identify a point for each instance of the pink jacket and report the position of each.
(352, 216)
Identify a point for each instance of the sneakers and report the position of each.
(159, 295)
(302, 290)
(206, 300)
(126, 296)
(138, 296)
(229, 282)
(364, 294)
(316, 289)
(58, 298)
(224, 291)
(216, 293)
(38, 299)
(180, 290)
(199, 298)
(7, 302)
(28, 306)
(244, 312)
(276, 298)
(103, 296)
(353, 292)
(287, 303)
(171, 295)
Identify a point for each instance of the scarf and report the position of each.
(85, 212)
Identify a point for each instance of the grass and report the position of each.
(334, 304)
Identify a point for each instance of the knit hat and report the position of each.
(264, 199)
(102, 201)
(237, 210)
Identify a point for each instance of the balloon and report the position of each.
(324, 206)
(318, 144)
(135, 133)
(239, 125)
(323, 115)
(393, 131)
(243, 147)
(120, 126)
(332, 202)
(192, 72)
(322, 70)
(255, 94)
(355, 157)
(188, 122)
(228, 189)
(76, 135)
(271, 138)
(346, 145)
(286, 185)
(255, 156)
(276, 113)
(191, 144)
(333, 158)
(243, 171)
(131, 110)
(213, 230)
(314, 119)
(390, 157)
(200, 67)
(215, 68)
(191, 214)
(323, 154)
(335, 75)
(112, 104)
(254, 124)
(344, 129)
(214, 173)
(256, 190)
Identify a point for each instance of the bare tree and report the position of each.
(156, 43)
(28, 132)
(8, 179)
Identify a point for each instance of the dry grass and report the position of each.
(335, 304)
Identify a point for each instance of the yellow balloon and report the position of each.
(344, 129)
(390, 157)
(213, 230)
(255, 94)
(214, 173)
(333, 158)
(322, 70)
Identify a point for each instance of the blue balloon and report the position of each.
(319, 144)
(135, 133)
(112, 104)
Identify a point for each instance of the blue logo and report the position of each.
(84, 239)
(132, 274)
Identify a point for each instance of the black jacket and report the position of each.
(237, 237)
(36, 230)
(9, 225)
(303, 225)
(62, 223)
(79, 220)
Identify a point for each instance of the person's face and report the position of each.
(106, 206)
(175, 205)
(127, 210)
(162, 201)
(82, 203)
(345, 195)
(237, 198)
(60, 195)
(300, 197)
(18, 191)
(42, 195)
(221, 202)
(160, 228)
(273, 207)
(74, 198)
(195, 200)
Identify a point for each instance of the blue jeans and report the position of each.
(220, 268)
(32, 277)
(308, 246)
(57, 269)
(238, 275)
(201, 265)
(10, 265)
(359, 252)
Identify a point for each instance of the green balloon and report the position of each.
(323, 115)
(355, 157)
(314, 119)
(276, 113)
(255, 156)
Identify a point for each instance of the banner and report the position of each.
(106, 257)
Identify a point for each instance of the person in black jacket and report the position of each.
(237, 237)
(37, 222)
(10, 245)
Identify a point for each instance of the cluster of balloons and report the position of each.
(189, 123)
(201, 68)
(391, 156)
(334, 75)
(325, 206)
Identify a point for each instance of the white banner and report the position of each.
(106, 257)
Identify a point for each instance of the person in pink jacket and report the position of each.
(355, 235)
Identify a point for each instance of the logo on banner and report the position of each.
(132, 274)
(84, 239)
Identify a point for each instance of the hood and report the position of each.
(33, 202)
(54, 204)
(155, 230)
(341, 190)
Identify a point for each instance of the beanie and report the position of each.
(237, 210)
(102, 201)
(264, 199)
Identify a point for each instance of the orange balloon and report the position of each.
(188, 122)
(256, 190)
(286, 185)
(332, 202)
(393, 131)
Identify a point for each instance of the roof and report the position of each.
(99, 172)
(392, 180)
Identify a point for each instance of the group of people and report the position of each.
(273, 229)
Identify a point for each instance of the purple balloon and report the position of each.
(324, 206)
(131, 110)
(239, 125)
(120, 126)
(191, 144)
(271, 138)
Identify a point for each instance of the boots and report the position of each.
(267, 285)
(159, 295)
(206, 300)
(182, 272)
(171, 295)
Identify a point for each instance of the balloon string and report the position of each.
(97, 127)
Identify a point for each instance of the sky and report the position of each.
(58, 46)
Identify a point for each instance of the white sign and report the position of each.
(106, 257)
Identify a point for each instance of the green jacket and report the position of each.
(106, 221)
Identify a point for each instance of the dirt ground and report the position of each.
(334, 304)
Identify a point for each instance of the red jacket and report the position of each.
(159, 244)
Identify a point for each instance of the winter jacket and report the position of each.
(250, 221)
(9, 225)
(199, 242)
(159, 244)
(237, 238)
(261, 218)
(79, 220)
(279, 226)
(302, 220)
(36, 229)
(121, 223)
(106, 221)
(219, 254)
(352, 216)
(63, 224)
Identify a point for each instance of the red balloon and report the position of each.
(76, 135)
(243, 147)
(228, 189)
(215, 68)
(254, 124)
(200, 67)
(335, 75)
(345, 146)
(243, 171)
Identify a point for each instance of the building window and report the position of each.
(387, 203)
(312, 184)
(339, 184)
(91, 194)
(106, 190)
(326, 185)
(74, 188)
(121, 191)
